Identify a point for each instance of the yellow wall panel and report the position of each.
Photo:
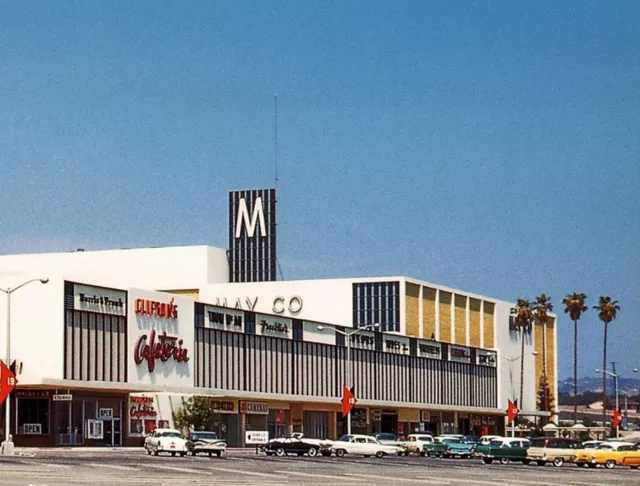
(429, 312)
(445, 316)
(489, 310)
(474, 322)
(551, 357)
(460, 323)
(412, 310)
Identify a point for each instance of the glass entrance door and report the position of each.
(107, 432)
(117, 432)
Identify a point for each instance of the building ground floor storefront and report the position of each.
(64, 418)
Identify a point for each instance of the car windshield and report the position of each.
(496, 443)
(205, 436)
(385, 437)
(452, 441)
(426, 438)
(345, 438)
(538, 442)
(171, 434)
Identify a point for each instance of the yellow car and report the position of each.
(610, 455)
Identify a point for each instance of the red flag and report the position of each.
(7, 381)
(512, 411)
(617, 418)
(348, 401)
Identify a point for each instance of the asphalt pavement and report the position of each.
(133, 466)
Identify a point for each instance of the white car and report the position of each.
(415, 443)
(363, 445)
(166, 440)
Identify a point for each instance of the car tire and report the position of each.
(269, 454)
(541, 463)
(526, 462)
(193, 453)
(558, 461)
(182, 454)
(487, 460)
(592, 466)
(148, 452)
(340, 453)
(380, 454)
(173, 454)
(422, 454)
(280, 452)
(155, 453)
(580, 464)
(504, 460)
(313, 452)
(610, 464)
(633, 467)
(218, 454)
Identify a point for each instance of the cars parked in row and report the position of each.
(610, 455)
(296, 444)
(166, 440)
(556, 450)
(205, 443)
(363, 445)
(506, 450)
(415, 443)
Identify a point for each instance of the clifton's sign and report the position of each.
(166, 348)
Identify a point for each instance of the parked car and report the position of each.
(391, 439)
(458, 448)
(591, 444)
(507, 449)
(292, 444)
(205, 442)
(610, 455)
(165, 440)
(363, 445)
(557, 450)
(484, 444)
(415, 443)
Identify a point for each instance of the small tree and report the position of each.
(545, 397)
(196, 413)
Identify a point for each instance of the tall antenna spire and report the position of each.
(275, 160)
(275, 137)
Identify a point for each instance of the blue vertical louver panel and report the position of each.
(252, 235)
(377, 302)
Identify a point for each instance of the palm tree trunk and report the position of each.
(575, 371)
(521, 405)
(604, 378)
(545, 400)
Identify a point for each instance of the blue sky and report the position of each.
(486, 146)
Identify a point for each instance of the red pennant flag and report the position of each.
(617, 418)
(512, 411)
(348, 401)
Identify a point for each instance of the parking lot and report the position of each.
(63, 467)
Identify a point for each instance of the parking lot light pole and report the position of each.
(512, 360)
(615, 384)
(9, 291)
(349, 373)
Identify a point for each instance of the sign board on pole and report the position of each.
(62, 398)
(253, 437)
(7, 381)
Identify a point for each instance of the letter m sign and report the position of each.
(250, 223)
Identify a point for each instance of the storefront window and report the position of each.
(33, 416)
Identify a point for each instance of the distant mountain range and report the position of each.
(594, 384)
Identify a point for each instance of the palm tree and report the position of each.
(524, 318)
(574, 305)
(607, 312)
(541, 308)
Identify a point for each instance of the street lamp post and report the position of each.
(512, 360)
(8, 292)
(615, 384)
(349, 377)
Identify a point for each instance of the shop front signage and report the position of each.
(32, 429)
(224, 319)
(363, 340)
(248, 303)
(166, 348)
(142, 407)
(157, 309)
(273, 326)
(221, 406)
(254, 408)
(376, 414)
(101, 300)
(279, 305)
(396, 344)
(105, 413)
(255, 437)
(429, 349)
(459, 354)
(487, 358)
(62, 398)
(293, 304)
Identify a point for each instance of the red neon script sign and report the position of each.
(167, 347)
(158, 309)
